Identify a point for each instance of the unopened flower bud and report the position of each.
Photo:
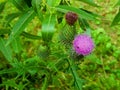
(71, 18)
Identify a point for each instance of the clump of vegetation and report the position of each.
(59, 45)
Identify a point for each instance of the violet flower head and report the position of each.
(83, 44)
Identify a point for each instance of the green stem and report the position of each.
(45, 84)
(75, 75)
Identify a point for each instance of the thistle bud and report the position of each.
(71, 18)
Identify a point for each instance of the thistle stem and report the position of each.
(75, 75)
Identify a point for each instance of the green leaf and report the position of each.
(16, 45)
(116, 19)
(94, 59)
(12, 16)
(25, 34)
(21, 25)
(78, 81)
(36, 6)
(32, 65)
(45, 84)
(48, 27)
(43, 51)
(4, 31)
(81, 13)
(20, 4)
(6, 50)
(28, 2)
(118, 3)
(90, 2)
(10, 83)
(85, 26)
(21, 86)
(19, 67)
(60, 63)
(8, 71)
(30, 36)
(92, 13)
(2, 5)
(53, 3)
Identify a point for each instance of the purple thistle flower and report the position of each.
(83, 44)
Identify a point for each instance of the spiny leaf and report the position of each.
(81, 13)
(67, 34)
(21, 24)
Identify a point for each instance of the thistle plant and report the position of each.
(47, 45)
(82, 44)
(35, 58)
(77, 45)
(69, 30)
